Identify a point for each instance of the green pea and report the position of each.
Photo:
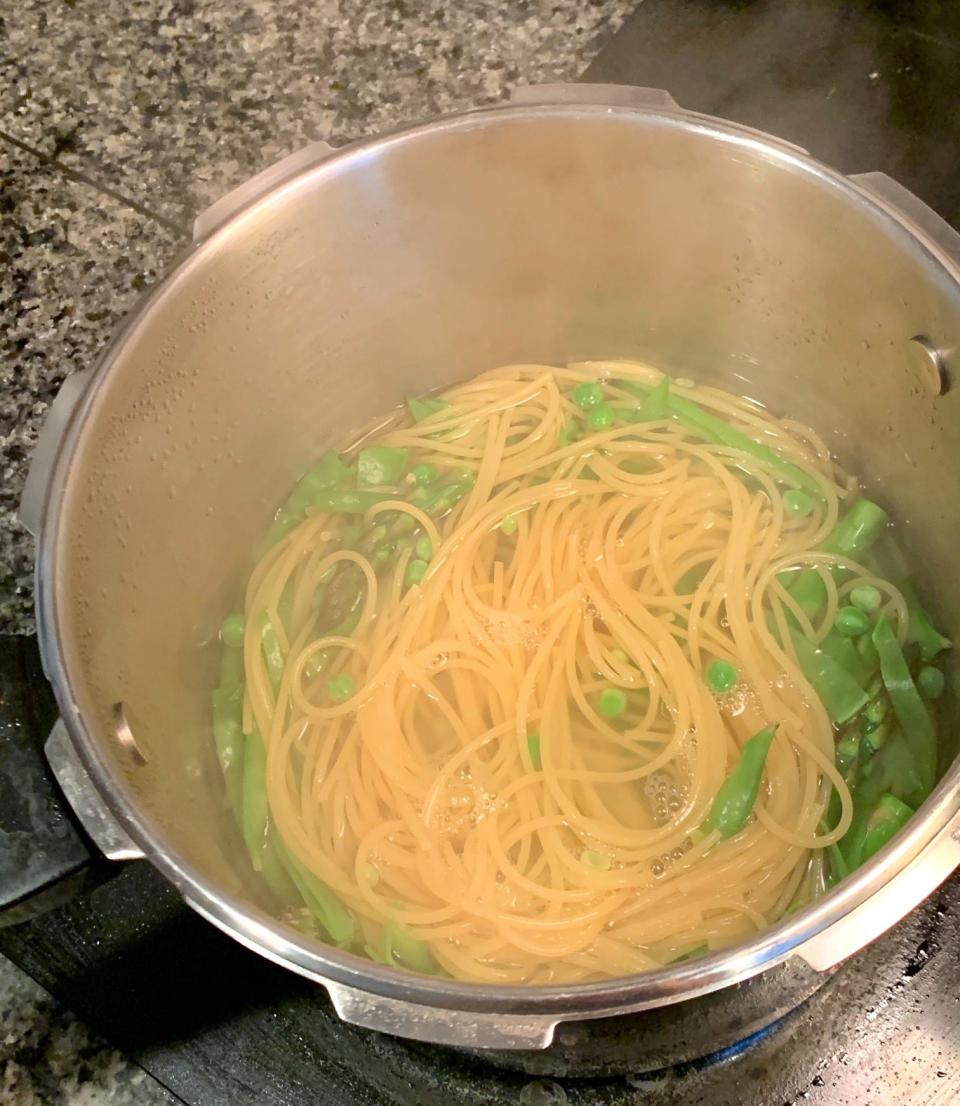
(601, 417)
(509, 525)
(416, 570)
(612, 702)
(598, 861)
(232, 630)
(722, 676)
(342, 687)
(588, 394)
(572, 432)
(852, 622)
(424, 548)
(425, 473)
(620, 655)
(866, 598)
(930, 682)
(797, 503)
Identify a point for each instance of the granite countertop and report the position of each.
(118, 123)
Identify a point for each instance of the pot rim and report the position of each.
(266, 934)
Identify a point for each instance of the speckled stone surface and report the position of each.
(72, 262)
(47, 1058)
(169, 103)
(174, 101)
(118, 123)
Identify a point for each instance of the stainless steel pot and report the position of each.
(582, 221)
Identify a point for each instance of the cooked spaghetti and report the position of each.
(545, 681)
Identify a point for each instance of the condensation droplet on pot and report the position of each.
(543, 1093)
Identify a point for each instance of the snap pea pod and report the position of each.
(920, 630)
(272, 868)
(718, 431)
(422, 407)
(835, 860)
(837, 689)
(657, 404)
(346, 501)
(847, 759)
(901, 772)
(735, 800)
(875, 817)
(853, 536)
(399, 946)
(888, 817)
(807, 588)
(533, 745)
(272, 653)
(231, 667)
(228, 735)
(848, 750)
(714, 428)
(446, 498)
(381, 464)
(867, 789)
(329, 472)
(908, 705)
(255, 809)
(329, 911)
(843, 651)
(622, 411)
(692, 954)
(858, 530)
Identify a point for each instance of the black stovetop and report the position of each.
(862, 86)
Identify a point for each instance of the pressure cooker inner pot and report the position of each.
(534, 234)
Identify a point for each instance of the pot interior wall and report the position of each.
(535, 234)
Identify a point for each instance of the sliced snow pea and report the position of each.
(908, 705)
(837, 688)
(738, 793)
(381, 464)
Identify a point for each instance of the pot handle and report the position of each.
(629, 96)
(244, 194)
(888, 905)
(893, 195)
(33, 501)
(425, 1023)
(84, 800)
(46, 857)
(609, 95)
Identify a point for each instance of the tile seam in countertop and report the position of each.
(80, 177)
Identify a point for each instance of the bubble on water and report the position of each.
(665, 796)
(657, 868)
